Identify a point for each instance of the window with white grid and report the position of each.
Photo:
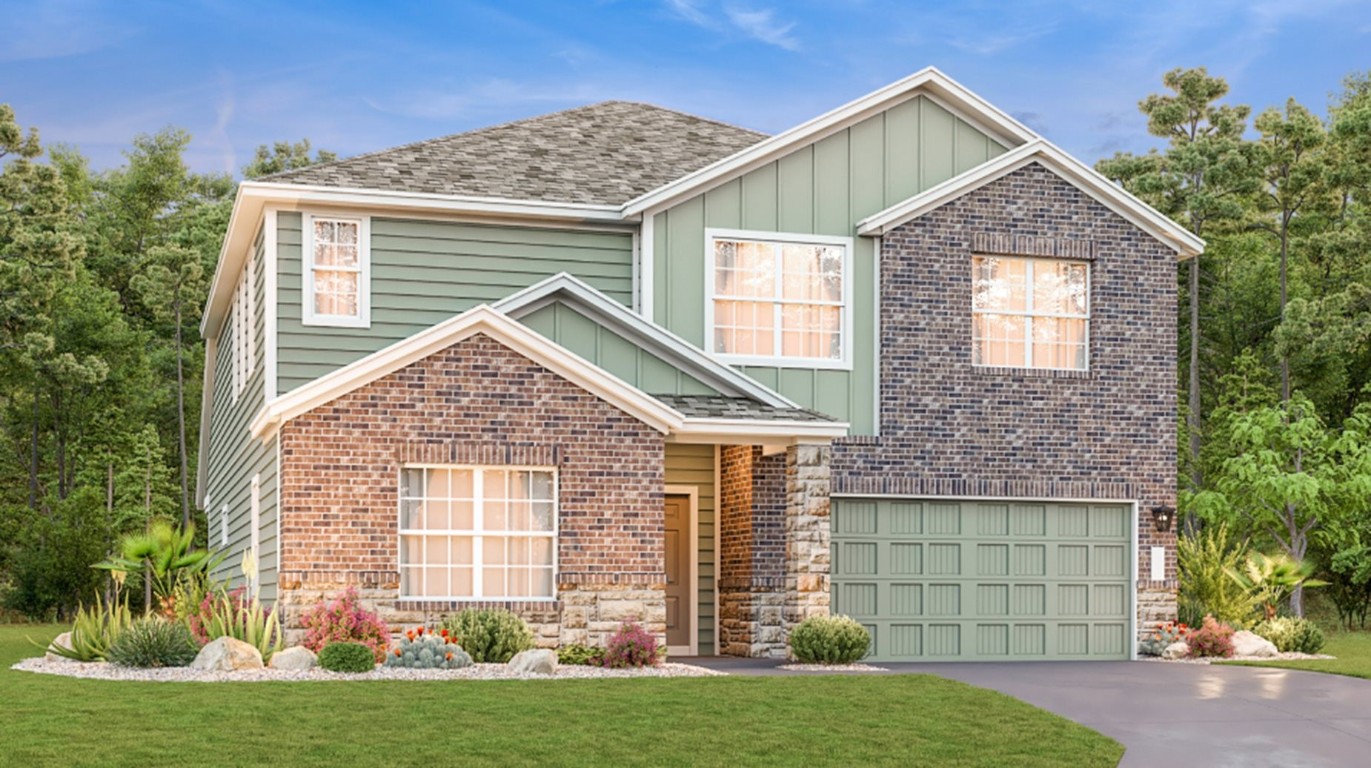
(780, 301)
(1030, 313)
(486, 533)
(337, 274)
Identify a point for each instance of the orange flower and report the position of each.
(444, 633)
(449, 657)
(397, 652)
(421, 631)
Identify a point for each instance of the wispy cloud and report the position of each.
(760, 24)
(690, 11)
(51, 30)
(984, 44)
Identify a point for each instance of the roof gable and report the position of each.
(1040, 151)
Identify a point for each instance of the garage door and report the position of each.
(939, 580)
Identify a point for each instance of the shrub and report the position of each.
(1291, 634)
(1203, 564)
(1214, 638)
(95, 629)
(347, 657)
(490, 635)
(231, 614)
(580, 655)
(631, 646)
(426, 650)
(1164, 635)
(154, 642)
(829, 640)
(343, 619)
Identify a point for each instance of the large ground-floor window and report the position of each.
(478, 533)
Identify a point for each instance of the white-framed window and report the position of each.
(779, 299)
(244, 340)
(223, 526)
(478, 533)
(1030, 313)
(337, 271)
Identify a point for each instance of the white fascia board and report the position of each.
(654, 337)
(206, 404)
(758, 430)
(981, 112)
(1078, 174)
(480, 319)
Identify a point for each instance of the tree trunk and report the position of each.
(1285, 361)
(181, 423)
(1193, 400)
(33, 458)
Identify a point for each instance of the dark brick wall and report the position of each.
(949, 428)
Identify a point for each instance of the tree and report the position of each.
(284, 156)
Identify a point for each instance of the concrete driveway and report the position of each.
(1171, 714)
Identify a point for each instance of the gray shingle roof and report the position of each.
(606, 153)
(720, 407)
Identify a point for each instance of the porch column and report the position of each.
(807, 530)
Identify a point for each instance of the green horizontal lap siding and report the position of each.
(613, 353)
(424, 272)
(693, 465)
(948, 580)
(234, 455)
(822, 188)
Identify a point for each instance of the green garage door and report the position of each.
(940, 580)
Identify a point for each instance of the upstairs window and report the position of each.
(780, 300)
(242, 334)
(337, 271)
(1030, 313)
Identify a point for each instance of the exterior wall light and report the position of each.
(1163, 515)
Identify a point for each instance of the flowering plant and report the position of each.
(631, 646)
(343, 619)
(421, 649)
(1213, 639)
(1164, 635)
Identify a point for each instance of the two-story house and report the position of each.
(907, 361)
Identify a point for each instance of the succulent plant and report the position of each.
(422, 649)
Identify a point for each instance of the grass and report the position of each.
(838, 720)
(1352, 649)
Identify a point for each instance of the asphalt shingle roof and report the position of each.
(606, 153)
(720, 407)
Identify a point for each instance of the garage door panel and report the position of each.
(949, 580)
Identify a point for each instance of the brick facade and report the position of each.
(476, 402)
(948, 428)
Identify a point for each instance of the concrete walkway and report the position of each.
(1169, 714)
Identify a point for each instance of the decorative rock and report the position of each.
(1248, 644)
(295, 659)
(61, 641)
(227, 655)
(1176, 651)
(538, 662)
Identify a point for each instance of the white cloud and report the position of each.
(690, 11)
(51, 30)
(762, 25)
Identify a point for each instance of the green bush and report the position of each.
(1203, 564)
(581, 655)
(427, 650)
(347, 657)
(1291, 634)
(490, 635)
(829, 640)
(154, 642)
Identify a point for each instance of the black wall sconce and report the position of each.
(1163, 515)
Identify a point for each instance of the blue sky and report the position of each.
(359, 76)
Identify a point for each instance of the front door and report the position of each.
(677, 516)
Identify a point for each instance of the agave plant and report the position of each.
(1272, 578)
(164, 556)
(96, 628)
(230, 614)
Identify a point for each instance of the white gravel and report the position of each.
(832, 668)
(99, 670)
(1290, 656)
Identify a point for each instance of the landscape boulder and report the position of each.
(540, 662)
(297, 659)
(1247, 644)
(227, 655)
(61, 641)
(1176, 651)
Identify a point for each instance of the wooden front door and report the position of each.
(677, 514)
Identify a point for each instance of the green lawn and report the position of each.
(839, 720)
(1352, 649)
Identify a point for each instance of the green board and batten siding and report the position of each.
(694, 465)
(425, 272)
(949, 580)
(235, 455)
(824, 188)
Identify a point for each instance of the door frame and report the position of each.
(693, 566)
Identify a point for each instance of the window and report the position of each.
(244, 340)
(337, 272)
(223, 526)
(780, 300)
(477, 533)
(1030, 313)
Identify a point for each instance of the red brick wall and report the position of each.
(477, 402)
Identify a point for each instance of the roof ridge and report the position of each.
(497, 126)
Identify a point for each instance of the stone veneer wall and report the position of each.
(476, 402)
(948, 428)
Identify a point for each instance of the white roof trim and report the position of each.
(481, 319)
(929, 79)
(762, 430)
(651, 336)
(1041, 151)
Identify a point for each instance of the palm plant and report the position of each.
(164, 557)
(1272, 578)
